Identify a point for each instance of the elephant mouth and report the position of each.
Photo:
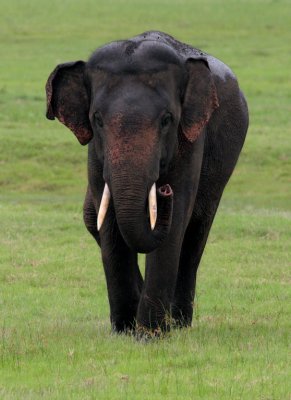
(163, 191)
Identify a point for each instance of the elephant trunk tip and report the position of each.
(165, 190)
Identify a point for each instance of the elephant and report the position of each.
(165, 124)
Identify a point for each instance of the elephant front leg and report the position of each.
(123, 278)
(154, 311)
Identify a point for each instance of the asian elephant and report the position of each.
(164, 123)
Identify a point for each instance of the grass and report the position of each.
(55, 340)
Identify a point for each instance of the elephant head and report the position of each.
(135, 100)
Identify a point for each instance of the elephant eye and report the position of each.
(166, 120)
(98, 119)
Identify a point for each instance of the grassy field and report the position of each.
(55, 339)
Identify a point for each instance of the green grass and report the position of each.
(55, 340)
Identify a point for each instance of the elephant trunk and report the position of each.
(136, 223)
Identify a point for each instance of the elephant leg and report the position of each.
(153, 316)
(124, 280)
(211, 187)
(123, 277)
(192, 249)
(220, 157)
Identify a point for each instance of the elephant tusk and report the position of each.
(153, 206)
(103, 206)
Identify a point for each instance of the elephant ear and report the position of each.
(200, 99)
(67, 99)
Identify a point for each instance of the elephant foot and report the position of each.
(145, 334)
(123, 324)
(182, 315)
(121, 328)
(153, 319)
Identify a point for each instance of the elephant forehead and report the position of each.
(134, 57)
(133, 102)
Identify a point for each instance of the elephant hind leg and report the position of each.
(213, 179)
(90, 215)
(221, 151)
(192, 249)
